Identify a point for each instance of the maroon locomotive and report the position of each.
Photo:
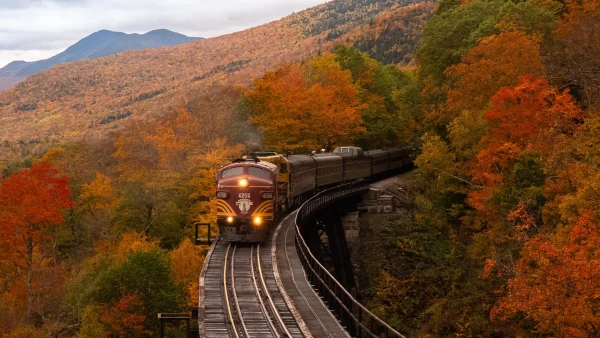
(246, 200)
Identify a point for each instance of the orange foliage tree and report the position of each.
(186, 263)
(30, 202)
(306, 107)
(557, 282)
(498, 61)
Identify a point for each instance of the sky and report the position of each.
(33, 30)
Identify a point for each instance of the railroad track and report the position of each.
(241, 298)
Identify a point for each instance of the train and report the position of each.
(253, 192)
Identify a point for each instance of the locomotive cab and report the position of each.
(246, 198)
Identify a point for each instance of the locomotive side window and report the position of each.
(258, 172)
(235, 171)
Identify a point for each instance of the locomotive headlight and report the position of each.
(257, 221)
(229, 219)
(243, 183)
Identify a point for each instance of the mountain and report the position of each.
(88, 99)
(96, 45)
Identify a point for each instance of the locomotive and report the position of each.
(253, 192)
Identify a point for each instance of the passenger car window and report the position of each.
(233, 172)
(258, 172)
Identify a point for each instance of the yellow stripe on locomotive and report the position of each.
(265, 209)
(224, 209)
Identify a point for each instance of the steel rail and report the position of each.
(235, 298)
(268, 294)
(226, 292)
(265, 291)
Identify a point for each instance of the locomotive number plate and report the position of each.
(230, 230)
(244, 195)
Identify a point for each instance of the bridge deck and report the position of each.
(317, 318)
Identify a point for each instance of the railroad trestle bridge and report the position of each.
(282, 287)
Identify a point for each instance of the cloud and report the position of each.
(50, 25)
(31, 3)
(7, 57)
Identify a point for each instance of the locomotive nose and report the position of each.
(246, 200)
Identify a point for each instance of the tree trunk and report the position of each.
(29, 245)
(150, 208)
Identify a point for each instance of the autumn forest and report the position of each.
(106, 165)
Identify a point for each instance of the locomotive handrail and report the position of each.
(326, 284)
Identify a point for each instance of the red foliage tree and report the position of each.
(123, 319)
(529, 117)
(30, 202)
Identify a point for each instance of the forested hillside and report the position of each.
(392, 36)
(96, 228)
(93, 97)
(500, 237)
(499, 230)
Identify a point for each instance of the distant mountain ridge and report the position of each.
(96, 45)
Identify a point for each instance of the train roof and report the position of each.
(396, 150)
(324, 155)
(300, 160)
(247, 163)
(377, 153)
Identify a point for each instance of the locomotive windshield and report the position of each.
(258, 172)
(235, 171)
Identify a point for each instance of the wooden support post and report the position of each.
(202, 241)
(174, 317)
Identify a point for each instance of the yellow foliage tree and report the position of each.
(98, 200)
(132, 242)
(91, 326)
(186, 263)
